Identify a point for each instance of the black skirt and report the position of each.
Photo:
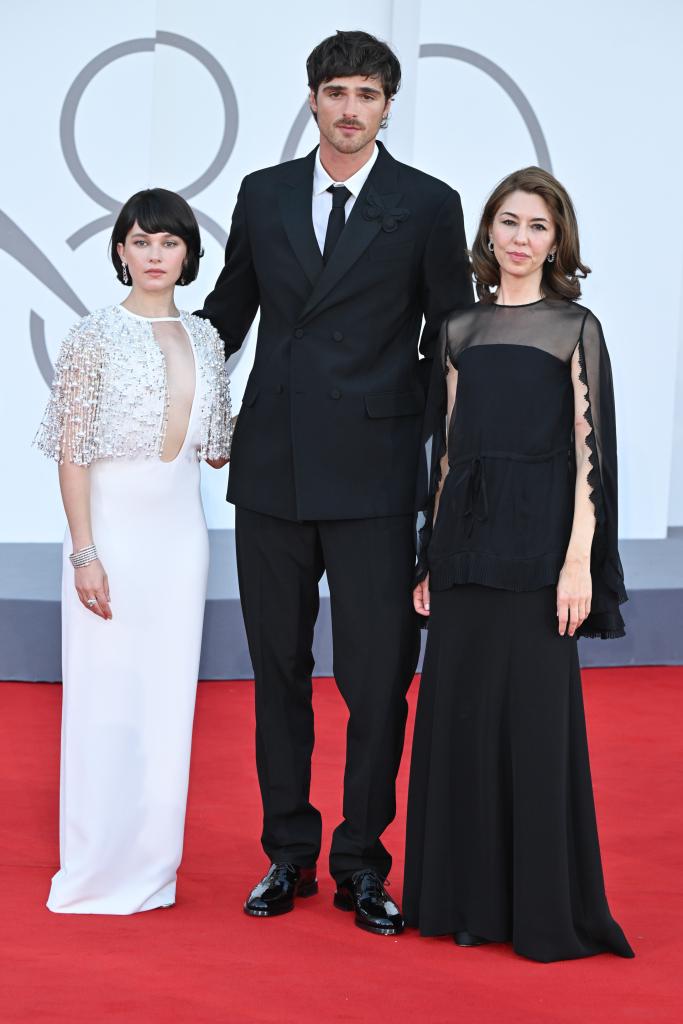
(502, 838)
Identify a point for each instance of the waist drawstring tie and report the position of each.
(476, 495)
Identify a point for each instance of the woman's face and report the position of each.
(523, 234)
(155, 262)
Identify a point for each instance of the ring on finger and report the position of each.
(91, 602)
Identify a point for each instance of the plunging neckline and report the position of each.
(171, 319)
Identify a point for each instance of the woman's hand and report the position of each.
(421, 597)
(92, 584)
(219, 463)
(574, 592)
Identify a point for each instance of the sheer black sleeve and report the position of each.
(433, 447)
(609, 592)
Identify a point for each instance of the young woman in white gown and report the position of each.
(140, 396)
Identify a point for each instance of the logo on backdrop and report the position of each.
(26, 252)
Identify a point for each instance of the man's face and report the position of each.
(350, 111)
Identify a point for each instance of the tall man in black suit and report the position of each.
(344, 251)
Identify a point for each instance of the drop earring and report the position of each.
(551, 257)
(124, 271)
(491, 245)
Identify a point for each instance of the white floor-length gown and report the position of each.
(130, 683)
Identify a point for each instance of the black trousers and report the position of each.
(369, 565)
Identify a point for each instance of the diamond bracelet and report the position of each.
(83, 557)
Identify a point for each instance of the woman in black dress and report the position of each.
(518, 558)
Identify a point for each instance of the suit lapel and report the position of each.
(295, 201)
(382, 184)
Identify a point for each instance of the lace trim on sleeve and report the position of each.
(605, 620)
(594, 478)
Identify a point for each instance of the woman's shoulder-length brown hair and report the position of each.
(560, 278)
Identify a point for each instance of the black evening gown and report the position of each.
(502, 838)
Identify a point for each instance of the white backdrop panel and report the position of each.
(601, 82)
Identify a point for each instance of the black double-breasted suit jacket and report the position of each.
(330, 422)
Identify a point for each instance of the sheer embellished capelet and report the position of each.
(506, 508)
(109, 397)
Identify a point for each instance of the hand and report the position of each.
(91, 582)
(219, 463)
(421, 597)
(574, 592)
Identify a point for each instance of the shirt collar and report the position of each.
(322, 180)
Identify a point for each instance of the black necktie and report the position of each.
(337, 218)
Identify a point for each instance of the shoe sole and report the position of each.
(303, 892)
(345, 903)
(376, 930)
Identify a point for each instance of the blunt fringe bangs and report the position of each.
(354, 53)
(561, 278)
(156, 210)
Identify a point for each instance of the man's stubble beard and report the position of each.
(349, 146)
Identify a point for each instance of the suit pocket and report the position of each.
(400, 403)
(382, 251)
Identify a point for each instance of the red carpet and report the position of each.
(205, 961)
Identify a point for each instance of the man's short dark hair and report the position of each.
(354, 53)
(155, 210)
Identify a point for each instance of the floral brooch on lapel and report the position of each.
(389, 218)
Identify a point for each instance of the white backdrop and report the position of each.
(215, 90)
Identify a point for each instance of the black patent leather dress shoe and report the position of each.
(467, 939)
(364, 893)
(275, 894)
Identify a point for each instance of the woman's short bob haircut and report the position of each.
(560, 278)
(155, 210)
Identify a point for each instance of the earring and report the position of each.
(491, 246)
(124, 271)
(551, 257)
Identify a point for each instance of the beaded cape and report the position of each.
(506, 508)
(109, 396)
